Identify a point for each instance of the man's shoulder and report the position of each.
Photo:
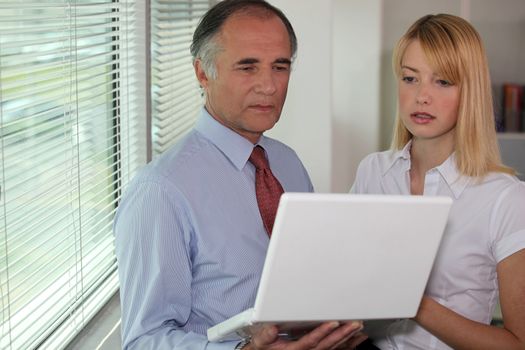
(176, 160)
(279, 147)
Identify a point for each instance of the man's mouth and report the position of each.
(262, 107)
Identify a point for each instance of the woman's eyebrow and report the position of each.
(410, 68)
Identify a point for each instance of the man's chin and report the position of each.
(265, 125)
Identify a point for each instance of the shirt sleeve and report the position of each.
(308, 181)
(508, 222)
(152, 234)
(363, 170)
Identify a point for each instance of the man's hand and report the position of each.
(327, 336)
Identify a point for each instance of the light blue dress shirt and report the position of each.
(190, 241)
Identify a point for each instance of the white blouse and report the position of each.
(486, 225)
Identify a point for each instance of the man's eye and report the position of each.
(246, 68)
(281, 68)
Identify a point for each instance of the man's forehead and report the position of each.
(243, 25)
(255, 38)
(254, 12)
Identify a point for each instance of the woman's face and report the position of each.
(428, 104)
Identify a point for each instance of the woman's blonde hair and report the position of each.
(455, 50)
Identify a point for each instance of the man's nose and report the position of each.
(265, 83)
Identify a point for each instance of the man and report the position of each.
(190, 236)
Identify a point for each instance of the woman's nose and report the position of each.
(423, 95)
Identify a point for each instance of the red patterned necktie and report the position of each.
(267, 188)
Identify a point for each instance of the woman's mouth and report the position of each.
(421, 117)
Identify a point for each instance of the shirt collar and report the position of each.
(455, 181)
(448, 169)
(400, 156)
(235, 147)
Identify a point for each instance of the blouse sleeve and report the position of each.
(362, 174)
(508, 222)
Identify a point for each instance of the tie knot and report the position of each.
(258, 159)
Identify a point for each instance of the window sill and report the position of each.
(103, 331)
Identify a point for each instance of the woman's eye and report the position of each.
(408, 79)
(443, 82)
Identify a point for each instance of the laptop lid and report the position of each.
(342, 256)
(348, 257)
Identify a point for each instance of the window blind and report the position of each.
(175, 95)
(68, 121)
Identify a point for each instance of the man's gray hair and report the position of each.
(205, 46)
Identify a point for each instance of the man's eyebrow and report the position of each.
(247, 61)
(283, 61)
(255, 60)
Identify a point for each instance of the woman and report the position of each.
(445, 144)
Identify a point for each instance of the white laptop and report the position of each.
(343, 257)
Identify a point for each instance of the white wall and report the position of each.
(398, 16)
(356, 76)
(316, 122)
(501, 25)
(306, 121)
(342, 97)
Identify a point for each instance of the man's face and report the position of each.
(253, 70)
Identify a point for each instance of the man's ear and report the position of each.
(201, 75)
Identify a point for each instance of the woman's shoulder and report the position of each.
(503, 181)
(370, 171)
(379, 160)
(505, 187)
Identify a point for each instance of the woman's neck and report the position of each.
(426, 154)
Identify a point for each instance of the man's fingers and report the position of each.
(329, 335)
(347, 341)
(355, 340)
(340, 335)
(312, 339)
(264, 337)
(326, 336)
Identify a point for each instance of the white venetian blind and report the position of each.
(67, 115)
(176, 98)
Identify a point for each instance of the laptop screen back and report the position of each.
(343, 256)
